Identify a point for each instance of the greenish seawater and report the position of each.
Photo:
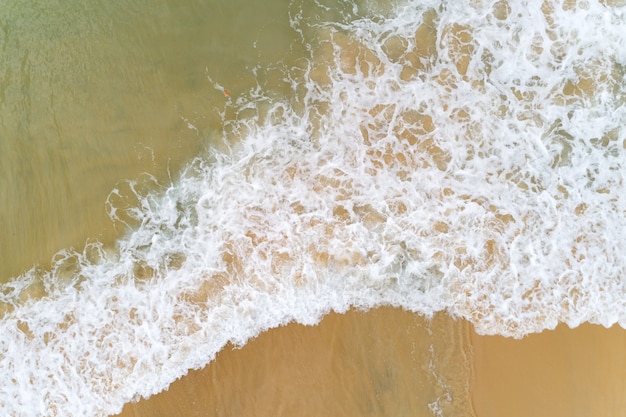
(93, 93)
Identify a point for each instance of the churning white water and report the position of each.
(465, 157)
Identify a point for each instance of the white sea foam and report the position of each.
(478, 172)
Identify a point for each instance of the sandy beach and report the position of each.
(565, 372)
(385, 362)
(377, 363)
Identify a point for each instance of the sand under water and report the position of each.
(399, 179)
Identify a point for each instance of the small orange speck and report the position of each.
(226, 93)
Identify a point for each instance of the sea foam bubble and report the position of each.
(464, 157)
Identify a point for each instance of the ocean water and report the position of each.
(93, 96)
(464, 157)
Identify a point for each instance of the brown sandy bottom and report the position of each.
(388, 362)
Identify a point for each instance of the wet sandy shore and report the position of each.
(390, 362)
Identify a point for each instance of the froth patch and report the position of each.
(507, 131)
(442, 159)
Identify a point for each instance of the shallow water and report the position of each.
(427, 156)
(92, 96)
